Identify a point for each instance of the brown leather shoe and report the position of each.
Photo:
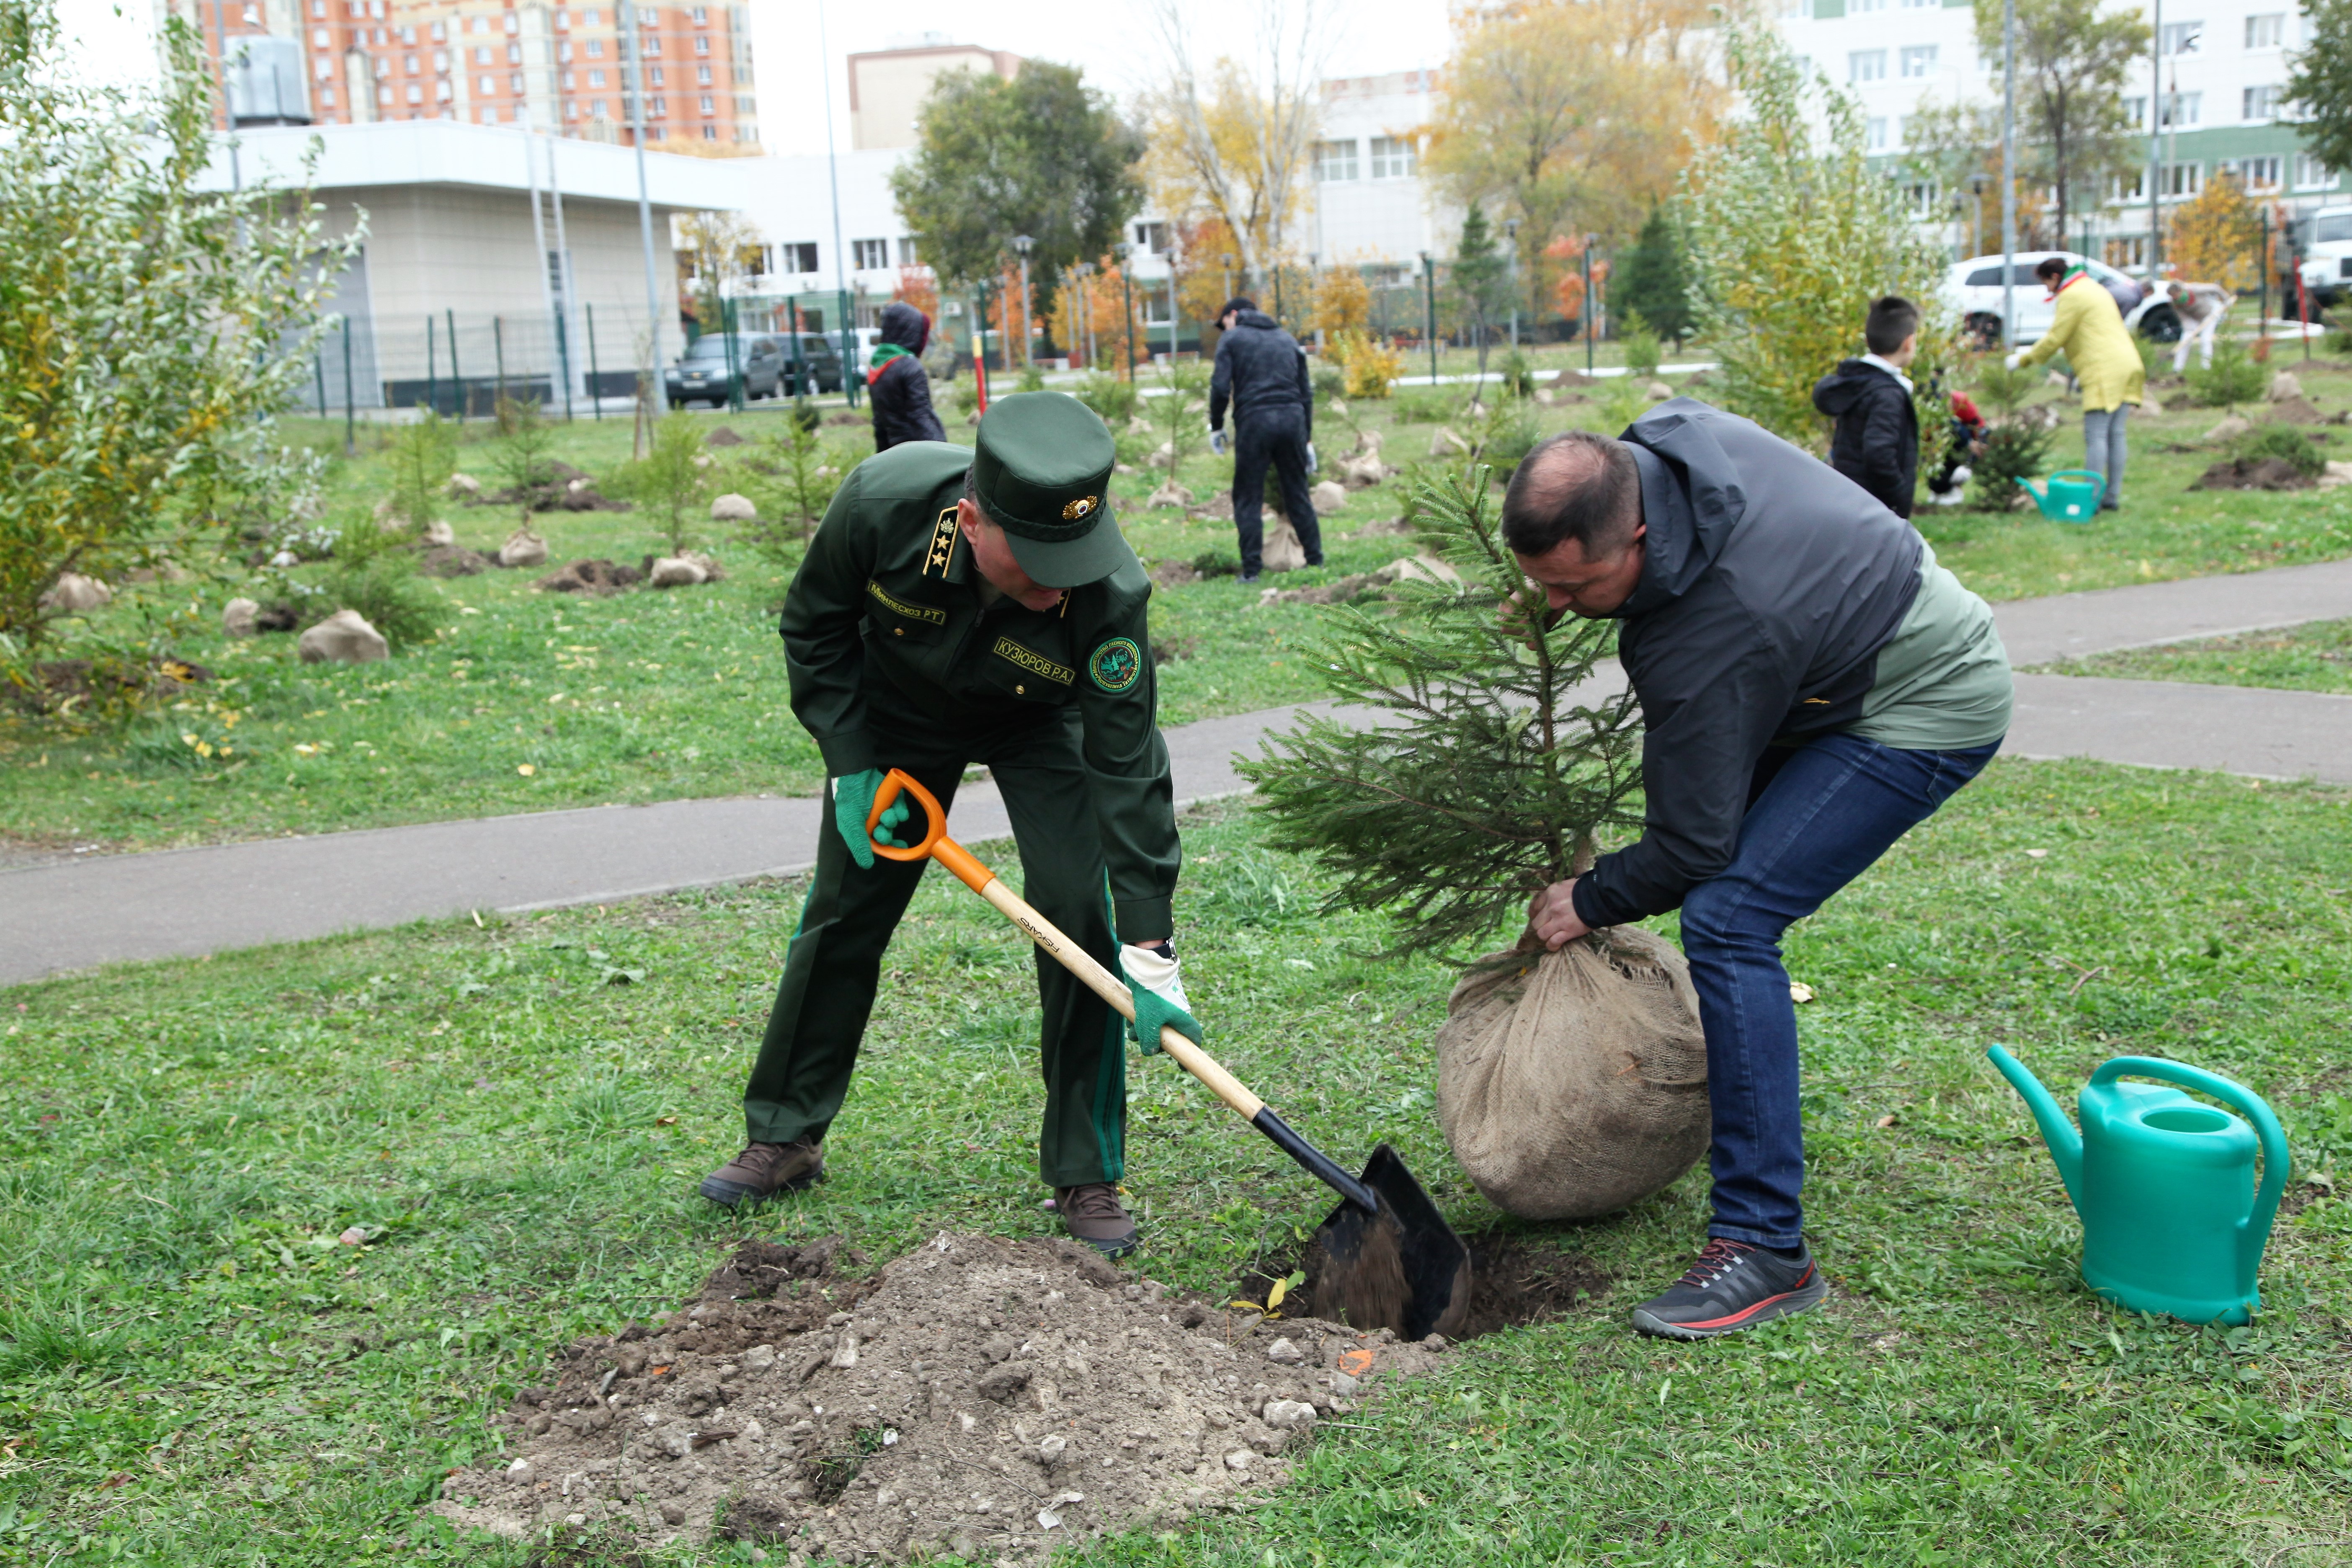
(1095, 1215)
(763, 1170)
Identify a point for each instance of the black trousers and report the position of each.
(834, 962)
(1279, 438)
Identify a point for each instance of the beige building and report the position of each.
(503, 62)
(887, 87)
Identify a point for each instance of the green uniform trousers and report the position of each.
(835, 958)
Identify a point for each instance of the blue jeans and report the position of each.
(1817, 816)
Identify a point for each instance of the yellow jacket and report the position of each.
(2098, 345)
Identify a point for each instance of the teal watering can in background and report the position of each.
(2070, 494)
(2172, 1221)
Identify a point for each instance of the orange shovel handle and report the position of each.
(935, 843)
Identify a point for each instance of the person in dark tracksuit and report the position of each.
(1813, 684)
(896, 380)
(1876, 441)
(978, 606)
(1261, 372)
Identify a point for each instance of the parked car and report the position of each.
(705, 375)
(2327, 271)
(818, 363)
(1973, 288)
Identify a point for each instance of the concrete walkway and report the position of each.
(190, 901)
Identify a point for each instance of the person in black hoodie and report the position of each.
(1876, 444)
(1262, 371)
(896, 380)
(1813, 685)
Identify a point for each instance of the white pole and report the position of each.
(563, 278)
(849, 367)
(2154, 141)
(2009, 173)
(633, 53)
(539, 240)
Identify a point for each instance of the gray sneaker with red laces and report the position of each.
(763, 1170)
(1095, 1215)
(1731, 1286)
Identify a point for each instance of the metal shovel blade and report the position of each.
(1402, 1267)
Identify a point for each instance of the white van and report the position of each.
(1972, 288)
(2327, 269)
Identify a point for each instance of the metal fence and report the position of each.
(460, 365)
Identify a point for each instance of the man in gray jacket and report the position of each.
(1813, 684)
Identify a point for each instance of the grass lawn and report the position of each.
(2313, 658)
(195, 1373)
(655, 696)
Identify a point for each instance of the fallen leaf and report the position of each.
(354, 1236)
(1886, 1120)
(664, 1121)
(1799, 992)
(525, 769)
(2037, 854)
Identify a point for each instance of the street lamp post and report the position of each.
(1084, 271)
(1123, 249)
(1022, 243)
(1590, 314)
(1511, 233)
(1429, 309)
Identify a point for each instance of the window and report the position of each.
(319, 38)
(1924, 198)
(2183, 179)
(327, 96)
(596, 109)
(709, 106)
(2266, 32)
(2258, 174)
(441, 62)
(514, 54)
(482, 55)
(596, 48)
(701, 44)
(2332, 230)
(2311, 174)
(2131, 187)
(2181, 38)
(867, 253)
(652, 45)
(909, 256)
(563, 20)
(410, 63)
(1855, 6)
(595, 78)
(588, 18)
(514, 24)
(318, 10)
(383, 94)
(1923, 5)
(1866, 65)
(2136, 114)
(2182, 109)
(710, 134)
(563, 52)
(1151, 238)
(1874, 129)
(2129, 253)
(441, 92)
(702, 75)
(567, 81)
(514, 83)
(1394, 157)
(800, 258)
(657, 75)
(382, 67)
(488, 87)
(323, 69)
(658, 108)
(440, 32)
(2261, 103)
(1919, 59)
(481, 24)
(1334, 159)
(701, 15)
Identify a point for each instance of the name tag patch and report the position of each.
(1033, 661)
(898, 606)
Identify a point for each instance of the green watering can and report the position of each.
(2070, 494)
(2172, 1221)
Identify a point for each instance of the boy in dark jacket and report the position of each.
(1876, 444)
(896, 382)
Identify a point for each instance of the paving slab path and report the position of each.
(188, 901)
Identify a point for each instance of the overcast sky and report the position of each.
(1105, 37)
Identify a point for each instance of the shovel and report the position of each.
(1391, 1261)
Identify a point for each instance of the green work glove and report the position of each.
(1159, 1001)
(853, 797)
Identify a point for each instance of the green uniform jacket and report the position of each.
(888, 583)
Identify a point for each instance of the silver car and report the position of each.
(1972, 289)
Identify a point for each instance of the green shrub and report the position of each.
(1032, 380)
(2339, 333)
(1217, 562)
(2155, 358)
(1621, 401)
(1641, 348)
(381, 585)
(2001, 389)
(670, 478)
(2013, 451)
(422, 456)
(1110, 396)
(2283, 442)
(1329, 382)
(1509, 433)
(2232, 378)
(1518, 374)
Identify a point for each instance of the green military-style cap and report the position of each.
(1042, 472)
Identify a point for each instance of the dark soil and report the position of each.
(63, 681)
(723, 436)
(450, 561)
(2252, 474)
(598, 576)
(1517, 1278)
(278, 617)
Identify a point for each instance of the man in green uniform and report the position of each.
(980, 606)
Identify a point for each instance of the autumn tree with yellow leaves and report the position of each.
(1574, 116)
(2217, 238)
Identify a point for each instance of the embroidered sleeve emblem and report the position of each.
(898, 606)
(1117, 665)
(1033, 661)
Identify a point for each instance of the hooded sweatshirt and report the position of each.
(895, 380)
(1777, 603)
(1877, 441)
(1262, 371)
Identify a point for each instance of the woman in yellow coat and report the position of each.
(2089, 328)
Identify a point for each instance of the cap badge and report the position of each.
(1082, 507)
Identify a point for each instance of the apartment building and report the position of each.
(2213, 81)
(498, 62)
(888, 87)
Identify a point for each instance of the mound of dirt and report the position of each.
(453, 561)
(723, 436)
(597, 577)
(986, 1397)
(2251, 474)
